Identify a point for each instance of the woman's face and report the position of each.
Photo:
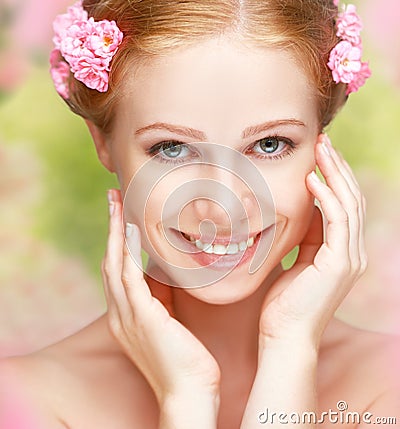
(254, 113)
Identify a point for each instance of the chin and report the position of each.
(236, 286)
(224, 292)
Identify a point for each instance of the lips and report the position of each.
(226, 261)
(222, 239)
(221, 246)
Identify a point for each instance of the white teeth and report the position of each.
(208, 248)
(242, 246)
(220, 249)
(199, 245)
(232, 249)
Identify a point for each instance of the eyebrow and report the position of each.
(199, 135)
(176, 129)
(256, 129)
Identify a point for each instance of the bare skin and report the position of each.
(86, 380)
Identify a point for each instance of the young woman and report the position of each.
(212, 116)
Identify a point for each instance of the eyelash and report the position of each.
(290, 147)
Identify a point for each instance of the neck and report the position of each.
(228, 331)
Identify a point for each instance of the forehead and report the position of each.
(220, 85)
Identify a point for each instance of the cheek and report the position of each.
(294, 203)
(152, 200)
(294, 212)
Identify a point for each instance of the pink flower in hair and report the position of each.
(360, 78)
(72, 44)
(103, 37)
(92, 72)
(88, 46)
(345, 62)
(59, 73)
(345, 58)
(336, 2)
(63, 22)
(349, 25)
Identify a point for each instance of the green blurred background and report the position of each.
(53, 218)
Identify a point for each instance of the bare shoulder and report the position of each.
(374, 353)
(23, 402)
(82, 381)
(361, 368)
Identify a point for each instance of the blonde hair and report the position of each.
(155, 27)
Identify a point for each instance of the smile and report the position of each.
(221, 249)
(224, 251)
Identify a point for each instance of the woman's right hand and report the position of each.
(174, 362)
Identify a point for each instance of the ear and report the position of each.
(102, 146)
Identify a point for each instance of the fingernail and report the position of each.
(326, 148)
(110, 196)
(111, 205)
(327, 140)
(314, 177)
(128, 229)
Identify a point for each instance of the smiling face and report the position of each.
(251, 106)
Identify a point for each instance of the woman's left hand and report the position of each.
(304, 298)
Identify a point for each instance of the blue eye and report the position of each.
(171, 149)
(270, 144)
(272, 148)
(170, 152)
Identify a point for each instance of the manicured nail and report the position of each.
(128, 230)
(111, 204)
(327, 140)
(314, 177)
(326, 148)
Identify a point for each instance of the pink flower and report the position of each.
(345, 62)
(93, 73)
(59, 73)
(359, 79)
(349, 25)
(63, 22)
(336, 2)
(73, 42)
(87, 46)
(345, 57)
(103, 37)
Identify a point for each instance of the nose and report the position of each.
(229, 200)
